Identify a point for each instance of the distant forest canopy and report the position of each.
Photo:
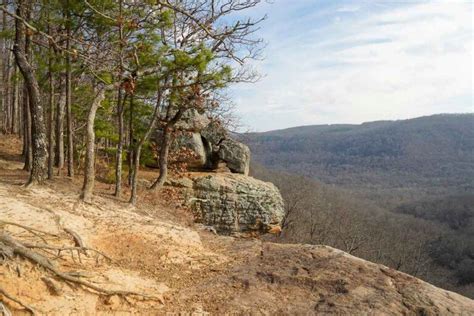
(400, 193)
(431, 154)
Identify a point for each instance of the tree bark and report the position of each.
(60, 130)
(138, 150)
(51, 118)
(120, 106)
(163, 162)
(70, 135)
(7, 95)
(3, 52)
(26, 107)
(165, 145)
(15, 112)
(26, 129)
(89, 170)
(118, 163)
(39, 152)
(131, 143)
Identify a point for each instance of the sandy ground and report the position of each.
(157, 250)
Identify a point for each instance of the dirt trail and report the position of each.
(156, 251)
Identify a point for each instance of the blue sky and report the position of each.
(356, 61)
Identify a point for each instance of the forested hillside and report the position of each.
(433, 240)
(429, 155)
(400, 193)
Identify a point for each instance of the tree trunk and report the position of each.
(13, 104)
(27, 148)
(120, 106)
(89, 169)
(165, 146)
(3, 52)
(70, 135)
(138, 150)
(131, 143)
(26, 129)
(38, 167)
(51, 118)
(163, 162)
(118, 163)
(15, 109)
(7, 96)
(60, 130)
(134, 173)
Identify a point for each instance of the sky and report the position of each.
(331, 62)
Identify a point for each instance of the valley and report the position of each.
(400, 192)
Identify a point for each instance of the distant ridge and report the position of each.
(435, 152)
(380, 122)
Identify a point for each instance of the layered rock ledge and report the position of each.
(234, 203)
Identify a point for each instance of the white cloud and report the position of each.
(373, 64)
(348, 8)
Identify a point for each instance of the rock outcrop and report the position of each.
(226, 198)
(210, 145)
(192, 121)
(199, 153)
(235, 203)
(236, 156)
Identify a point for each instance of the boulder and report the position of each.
(180, 182)
(194, 143)
(214, 133)
(209, 144)
(192, 121)
(236, 155)
(235, 203)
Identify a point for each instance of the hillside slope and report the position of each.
(157, 251)
(406, 186)
(428, 154)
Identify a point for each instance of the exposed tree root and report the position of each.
(77, 239)
(34, 231)
(54, 289)
(79, 250)
(80, 244)
(10, 246)
(11, 298)
(4, 310)
(75, 236)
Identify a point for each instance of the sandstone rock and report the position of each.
(233, 203)
(193, 142)
(209, 143)
(180, 182)
(236, 155)
(192, 121)
(214, 133)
